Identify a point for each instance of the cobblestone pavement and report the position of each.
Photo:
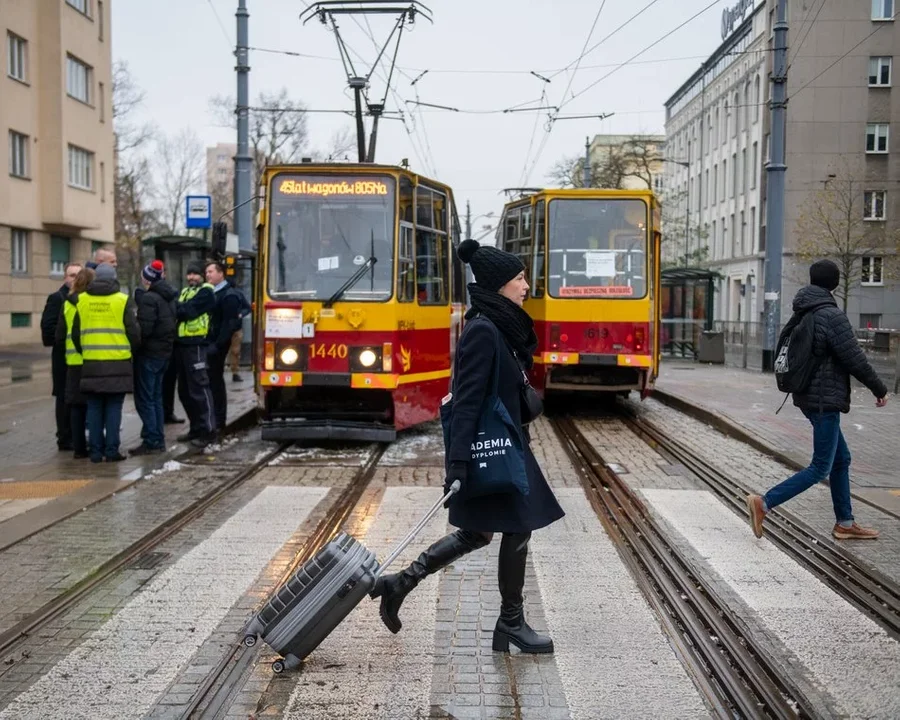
(180, 610)
(750, 399)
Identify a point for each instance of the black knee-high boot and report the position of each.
(392, 589)
(511, 626)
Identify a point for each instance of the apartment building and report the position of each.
(839, 128)
(56, 197)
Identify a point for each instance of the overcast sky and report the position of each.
(478, 53)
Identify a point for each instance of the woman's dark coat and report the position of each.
(109, 376)
(472, 378)
(49, 324)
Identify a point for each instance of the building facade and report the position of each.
(56, 198)
(628, 162)
(838, 135)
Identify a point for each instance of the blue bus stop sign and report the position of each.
(198, 213)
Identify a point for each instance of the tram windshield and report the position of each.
(323, 230)
(597, 248)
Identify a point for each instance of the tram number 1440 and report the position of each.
(321, 350)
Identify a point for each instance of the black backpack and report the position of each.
(795, 363)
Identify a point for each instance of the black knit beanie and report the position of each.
(195, 267)
(824, 274)
(492, 268)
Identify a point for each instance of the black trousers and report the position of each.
(217, 385)
(78, 415)
(169, 389)
(63, 422)
(193, 388)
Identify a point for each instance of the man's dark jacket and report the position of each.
(835, 344)
(225, 320)
(156, 316)
(49, 321)
(108, 376)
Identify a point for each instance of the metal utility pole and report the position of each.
(586, 170)
(468, 220)
(243, 163)
(775, 188)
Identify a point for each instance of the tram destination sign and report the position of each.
(343, 188)
(734, 15)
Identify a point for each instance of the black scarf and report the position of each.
(512, 321)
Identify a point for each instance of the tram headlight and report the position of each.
(289, 356)
(367, 358)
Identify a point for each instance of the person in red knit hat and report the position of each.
(156, 316)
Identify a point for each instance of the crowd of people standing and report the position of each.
(107, 344)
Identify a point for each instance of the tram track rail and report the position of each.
(735, 673)
(19, 633)
(864, 587)
(215, 695)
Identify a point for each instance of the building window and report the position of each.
(100, 20)
(870, 320)
(18, 154)
(715, 130)
(752, 230)
(880, 71)
(743, 171)
(882, 9)
(871, 271)
(713, 239)
(743, 234)
(727, 127)
(81, 168)
(78, 79)
(724, 180)
(733, 237)
(59, 254)
(737, 115)
(734, 173)
(877, 137)
(20, 320)
(713, 188)
(874, 205)
(19, 254)
(706, 196)
(102, 182)
(15, 56)
(756, 99)
(101, 99)
(754, 169)
(82, 6)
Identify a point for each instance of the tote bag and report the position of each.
(497, 464)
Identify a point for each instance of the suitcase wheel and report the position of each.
(250, 640)
(278, 667)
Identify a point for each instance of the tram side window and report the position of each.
(406, 266)
(540, 244)
(517, 236)
(406, 199)
(458, 270)
(432, 248)
(510, 230)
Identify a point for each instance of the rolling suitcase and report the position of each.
(321, 593)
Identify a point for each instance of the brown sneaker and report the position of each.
(757, 514)
(854, 532)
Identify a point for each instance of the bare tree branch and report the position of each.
(126, 98)
(180, 164)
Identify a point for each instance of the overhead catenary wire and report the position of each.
(796, 53)
(225, 34)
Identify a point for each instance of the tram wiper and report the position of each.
(351, 281)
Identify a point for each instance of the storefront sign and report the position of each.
(733, 16)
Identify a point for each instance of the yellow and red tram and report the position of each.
(359, 300)
(592, 258)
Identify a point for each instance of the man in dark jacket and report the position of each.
(105, 333)
(156, 316)
(225, 320)
(828, 395)
(49, 321)
(195, 304)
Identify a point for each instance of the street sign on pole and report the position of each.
(198, 211)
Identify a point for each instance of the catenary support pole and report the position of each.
(468, 220)
(243, 164)
(775, 171)
(586, 174)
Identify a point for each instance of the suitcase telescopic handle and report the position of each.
(454, 488)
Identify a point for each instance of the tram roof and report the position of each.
(580, 192)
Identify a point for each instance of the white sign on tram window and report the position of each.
(600, 263)
(329, 263)
(284, 323)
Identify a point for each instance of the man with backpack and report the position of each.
(817, 353)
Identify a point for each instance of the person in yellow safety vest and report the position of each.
(76, 401)
(196, 302)
(105, 331)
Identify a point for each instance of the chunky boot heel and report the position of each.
(501, 642)
(378, 590)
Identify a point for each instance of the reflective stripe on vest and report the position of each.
(102, 320)
(73, 357)
(199, 326)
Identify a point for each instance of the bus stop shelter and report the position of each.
(687, 296)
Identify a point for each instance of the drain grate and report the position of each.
(672, 469)
(148, 561)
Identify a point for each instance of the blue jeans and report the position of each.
(831, 459)
(104, 416)
(148, 400)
